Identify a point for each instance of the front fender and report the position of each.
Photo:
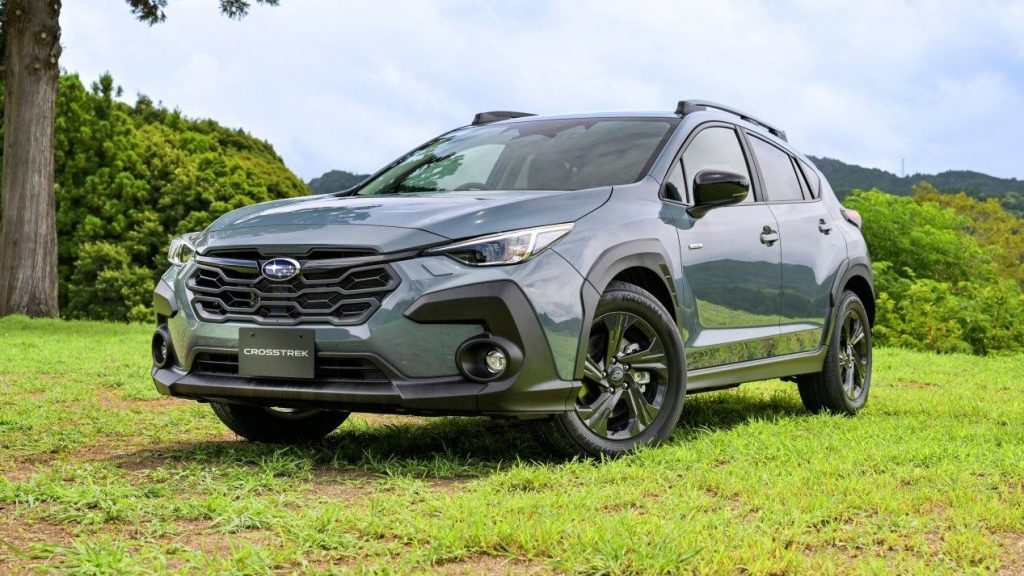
(649, 254)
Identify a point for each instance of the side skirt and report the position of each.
(707, 379)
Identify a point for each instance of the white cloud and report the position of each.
(339, 84)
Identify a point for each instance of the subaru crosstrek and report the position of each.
(585, 271)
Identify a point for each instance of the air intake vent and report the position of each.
(328, 368)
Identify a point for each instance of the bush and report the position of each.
(925, 314)
(929, 239)
(106, 285)
(938, 286)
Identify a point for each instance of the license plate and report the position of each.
(276, 352)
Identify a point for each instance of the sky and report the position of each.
(335, 84)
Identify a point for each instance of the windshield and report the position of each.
(529, 155)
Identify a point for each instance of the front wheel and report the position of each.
(843, 383)
(633, 380)
(278, 425)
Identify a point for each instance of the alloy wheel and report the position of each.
(854, 354)
(625, 377)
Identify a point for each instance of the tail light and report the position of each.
(853, 217)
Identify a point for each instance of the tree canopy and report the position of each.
(948, 271)
(129, 178)
(152, 11)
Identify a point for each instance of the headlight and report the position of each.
(182, 250)
(504, 248)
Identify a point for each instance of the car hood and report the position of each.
(416, 219)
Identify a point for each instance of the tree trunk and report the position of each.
(28, 229)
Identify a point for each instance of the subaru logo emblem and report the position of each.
(280, 268)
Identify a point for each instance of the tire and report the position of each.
(633, 391)
(843, 384)
(277, 425)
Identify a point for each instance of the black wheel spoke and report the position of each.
(641, 412)
(593, 371)
(862, 371)
(596, 415)
(617, 324)
(858, 334)
(848, 385)
(652, 359)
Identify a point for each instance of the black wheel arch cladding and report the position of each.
(648, 254)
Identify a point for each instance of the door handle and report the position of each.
(769, 236)
(824, 227)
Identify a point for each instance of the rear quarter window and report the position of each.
(813, 180)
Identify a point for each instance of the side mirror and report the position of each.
(714, 188)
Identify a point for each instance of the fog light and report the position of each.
(162, 354)
(496, 361)
(487, 358)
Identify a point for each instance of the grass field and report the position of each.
(99, 474)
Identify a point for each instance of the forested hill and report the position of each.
(845, 178)
(334, 181)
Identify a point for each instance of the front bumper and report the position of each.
(412, 339)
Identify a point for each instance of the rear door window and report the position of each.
(777, 171)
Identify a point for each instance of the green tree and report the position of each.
(924, 237)
(28, 225)
(128, 178)
(997, 230)
(939, 272)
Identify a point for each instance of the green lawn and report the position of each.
(99, 474)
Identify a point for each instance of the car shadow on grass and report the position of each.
(444, 448)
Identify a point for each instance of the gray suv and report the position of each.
(584, 272)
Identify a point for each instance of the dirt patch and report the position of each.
(352, 485)
(342, 485)
(917, 385)
(204, 537)
(448, 485)
(145, 457)
(483, 564)
(24, 468)
(1012, 560)
(111, 398)
(392, 419)
(18, 538)
(37, 395)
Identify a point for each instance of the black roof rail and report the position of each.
(496, 116)
(689, 106)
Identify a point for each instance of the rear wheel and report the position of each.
(842, 385)
(633, 382)
(279, 425)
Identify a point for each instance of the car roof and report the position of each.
(585, 115)
(702, 116)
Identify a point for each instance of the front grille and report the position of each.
(339, 287)
(327, 367)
